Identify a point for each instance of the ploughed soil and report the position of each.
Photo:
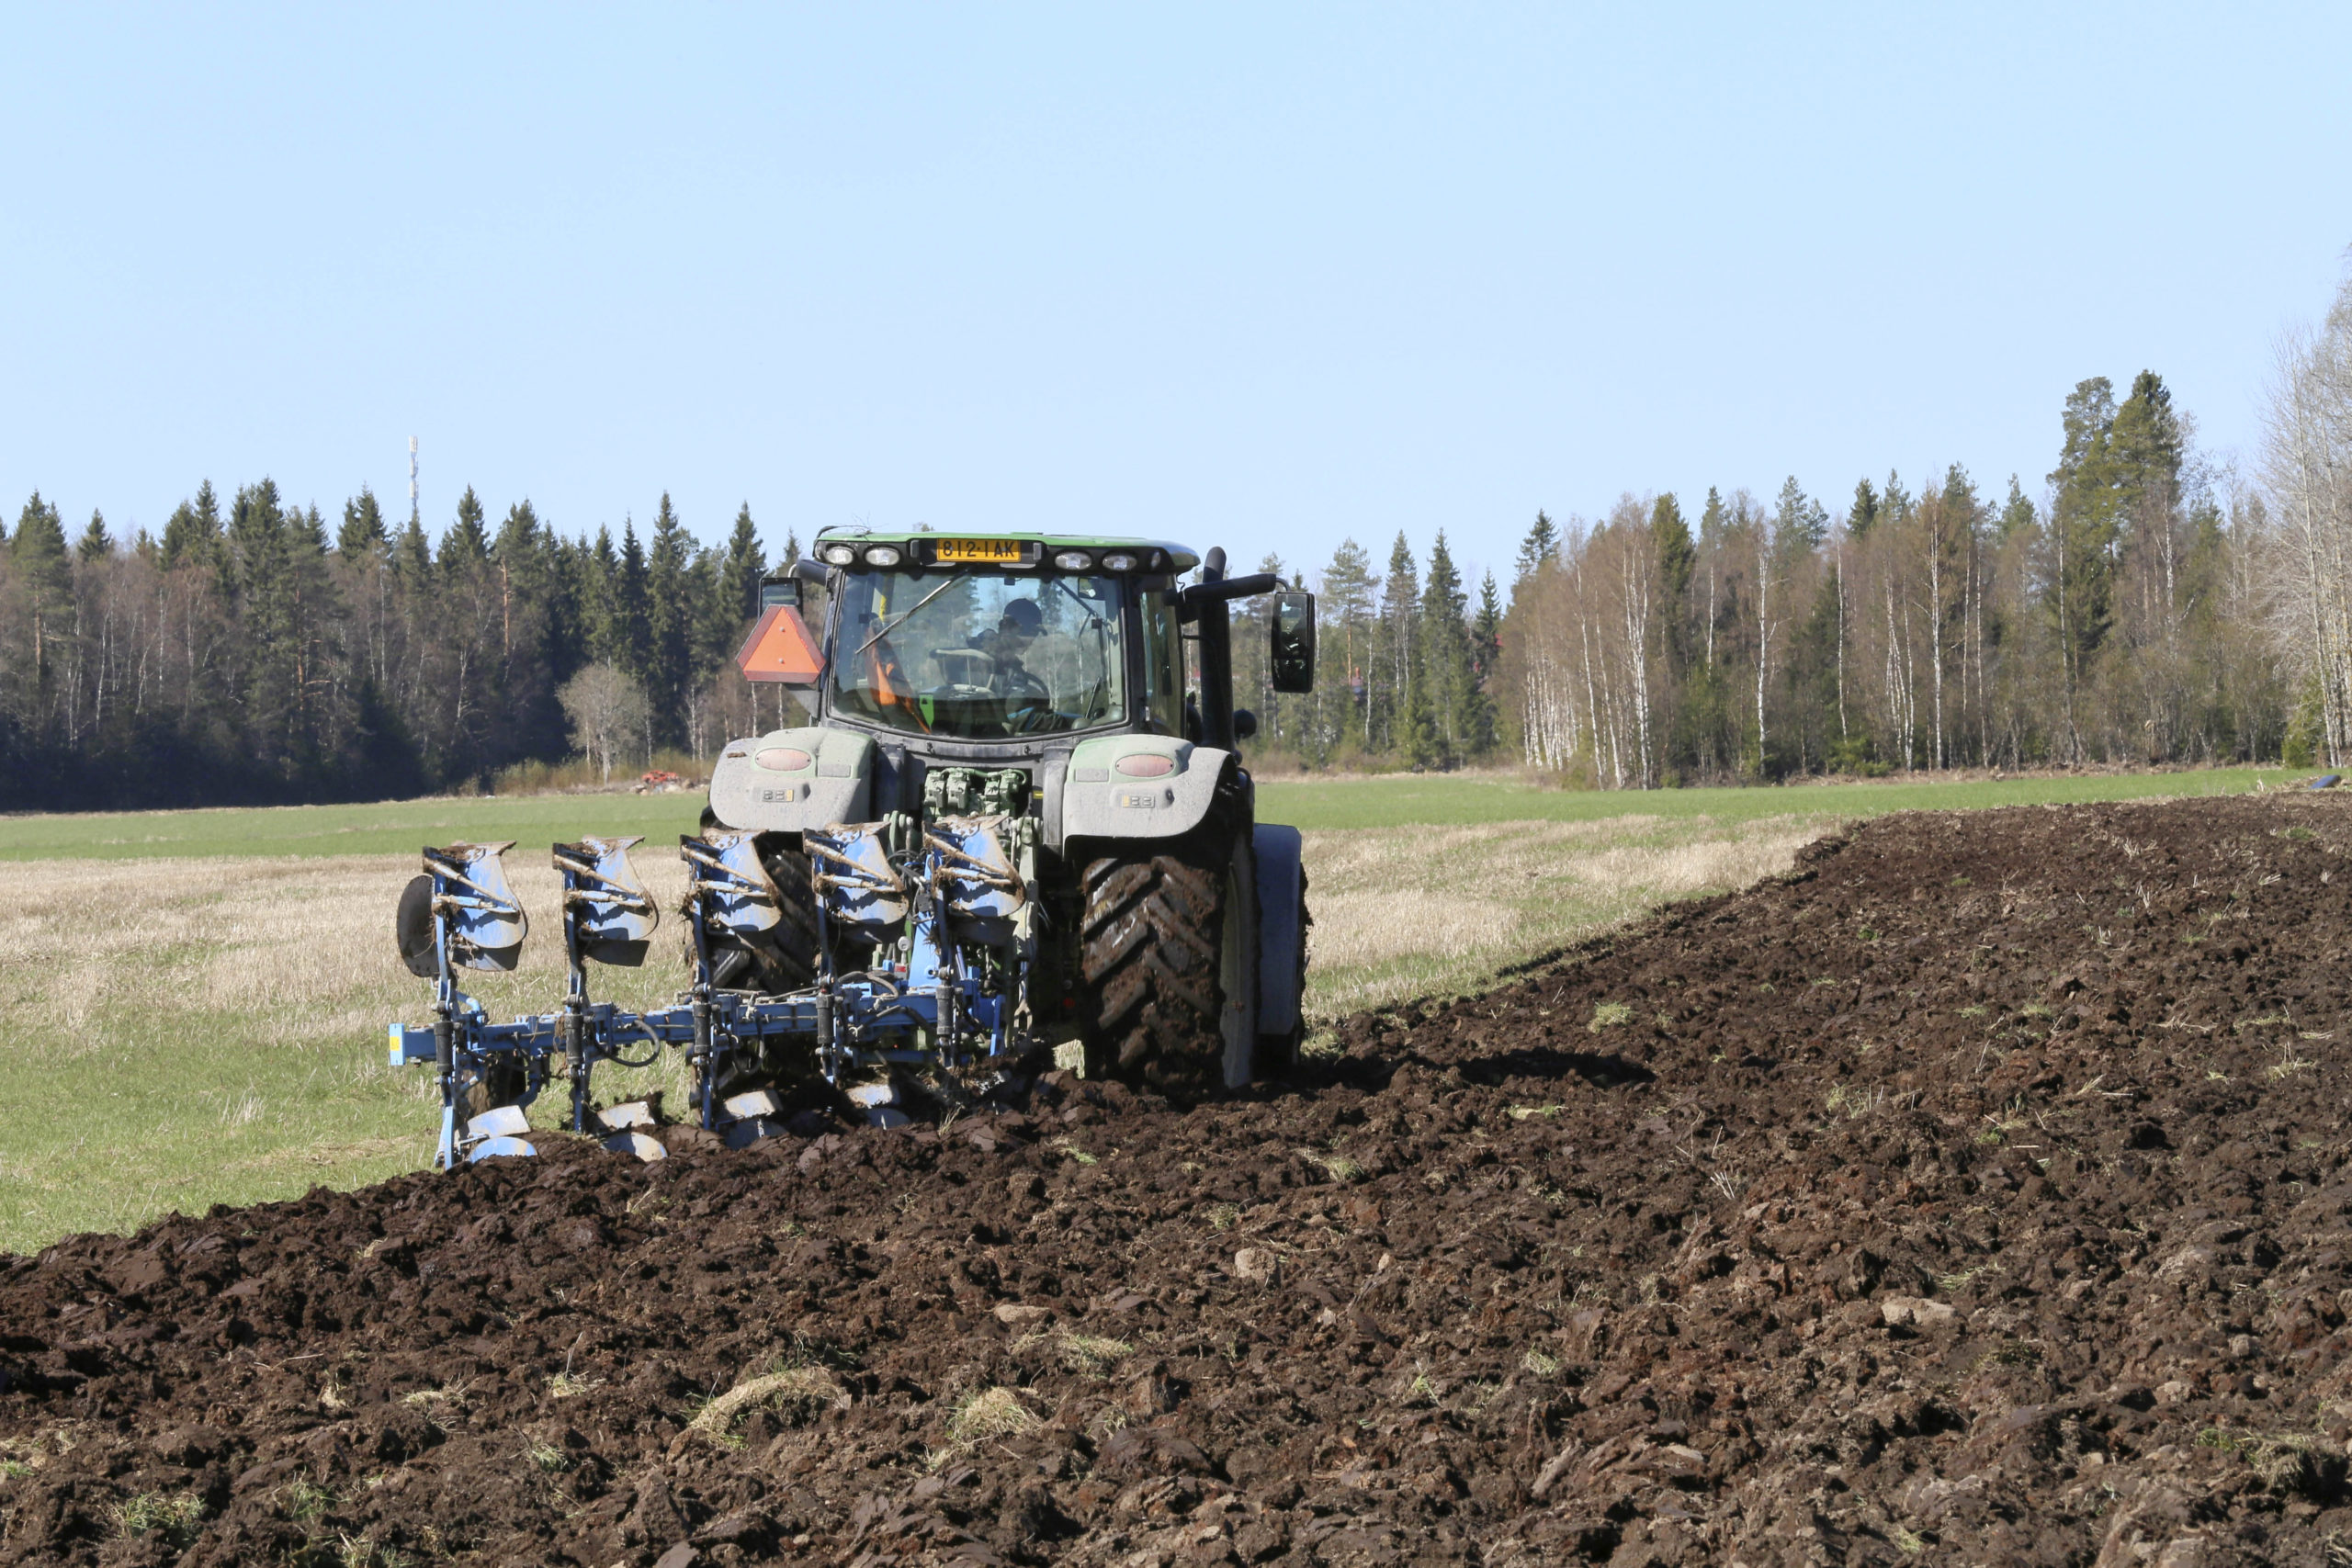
(1979, 1192)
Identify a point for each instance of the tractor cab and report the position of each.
(1008, 640)
(982, 654)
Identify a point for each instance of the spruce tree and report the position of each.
(720, 619)
(566, 625)
(516, 558)
(318, 621)
(413, 557)
(37, 551)
(1389, 673)
(1680, 622)
(95, 544)
(467, 543)
(1445, 647)
(193, 532)
(362, 535)
(1863, 514)
(523, 561)
(37, 558)
(1799, 523)
(746, 564)
(1711, 519)
(669, 621)
(261, 553)
(1678, 559)
(2146, 449)
(1893, 501)
(630, 625)
(1543, 542)
(2016, 513)
(1478, 723)
(1418, 738)
(1486, 630)
(603, 617)
(2084, 526)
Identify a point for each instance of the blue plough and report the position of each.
(946, 917)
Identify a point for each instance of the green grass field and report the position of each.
(1317, 805)
(400, 827)
(193, 1002)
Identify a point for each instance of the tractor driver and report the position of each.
(1018, 628)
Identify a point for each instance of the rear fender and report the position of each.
(1166, 791)
(750, 788)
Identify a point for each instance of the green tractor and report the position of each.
(1039, 682)
(1013, 827)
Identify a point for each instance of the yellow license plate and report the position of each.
(990, 550)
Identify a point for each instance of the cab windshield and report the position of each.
(979, 655)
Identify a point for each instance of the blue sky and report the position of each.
(1257, 275)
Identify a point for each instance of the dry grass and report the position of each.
(211, 1030)
(1400, 911)
(1092, 1355)
(799, 1392)
(301, 948)
(991, 1413)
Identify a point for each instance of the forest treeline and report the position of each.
(255, 653)
(2145, 606)
(2120, 620)
(2148, 606)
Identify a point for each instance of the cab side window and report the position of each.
(1163, 665)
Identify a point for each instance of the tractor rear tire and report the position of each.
(783, 958)
(1169, 960)
(791, 948)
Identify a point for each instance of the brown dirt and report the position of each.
(1977, 1194)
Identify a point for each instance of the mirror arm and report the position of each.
(1200, 593)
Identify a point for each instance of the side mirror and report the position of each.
(779, 588)
(1293, 655)
(808, 568)
(1245, 723)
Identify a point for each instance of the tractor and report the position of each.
(1012, 829)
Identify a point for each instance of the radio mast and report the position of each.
(413, 514)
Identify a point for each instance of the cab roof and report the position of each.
(1179, 558)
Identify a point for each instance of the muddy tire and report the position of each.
(1169, 963)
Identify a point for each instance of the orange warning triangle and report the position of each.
(780, 648)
